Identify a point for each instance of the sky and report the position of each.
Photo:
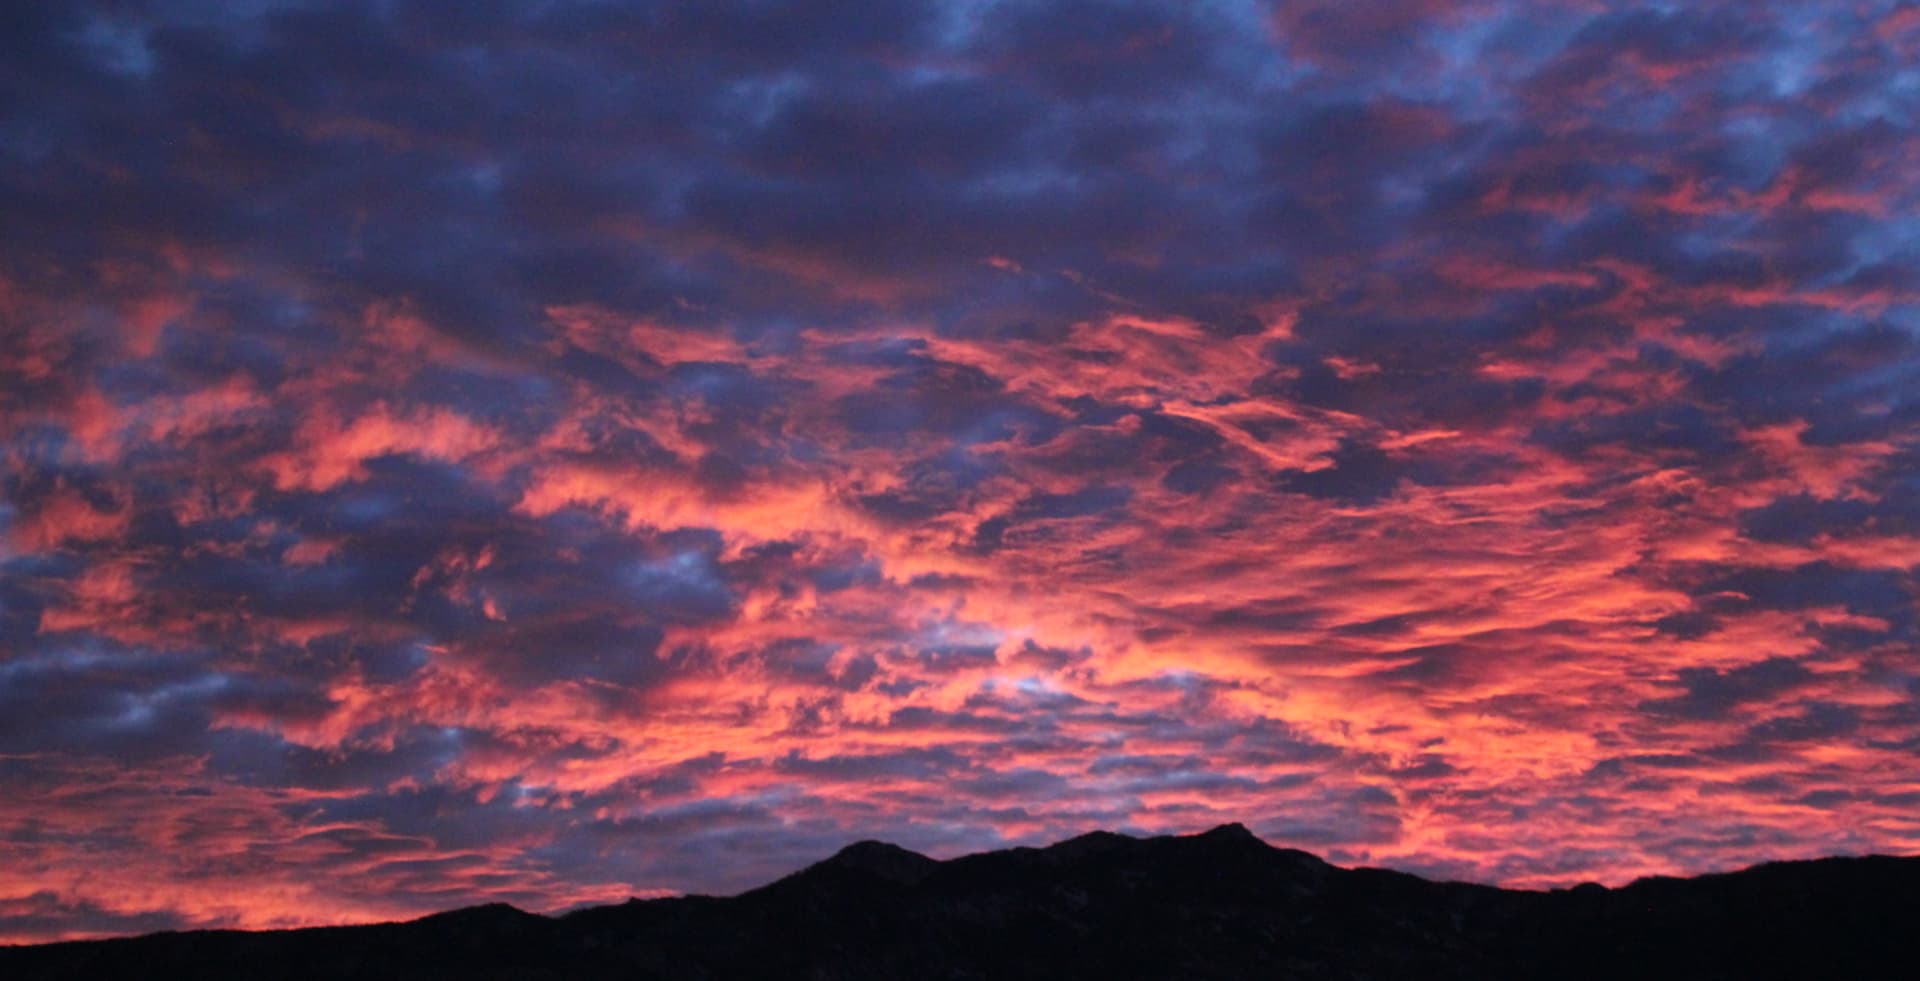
(556, 452)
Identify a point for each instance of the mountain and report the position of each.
(1222, 904)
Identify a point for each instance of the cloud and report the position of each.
(554, 454)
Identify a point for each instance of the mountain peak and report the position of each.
(1232, 831)
(884, 860)
(500, 910)
(487, 916)
(1234, 838)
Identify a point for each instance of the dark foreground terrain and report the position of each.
(1217, 905)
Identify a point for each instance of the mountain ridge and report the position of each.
(1218, 904)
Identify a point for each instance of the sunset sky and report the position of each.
(555, 452)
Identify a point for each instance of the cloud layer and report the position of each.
(463, 452)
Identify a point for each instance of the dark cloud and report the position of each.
(1710, 693)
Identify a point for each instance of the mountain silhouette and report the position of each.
(1222, 904)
